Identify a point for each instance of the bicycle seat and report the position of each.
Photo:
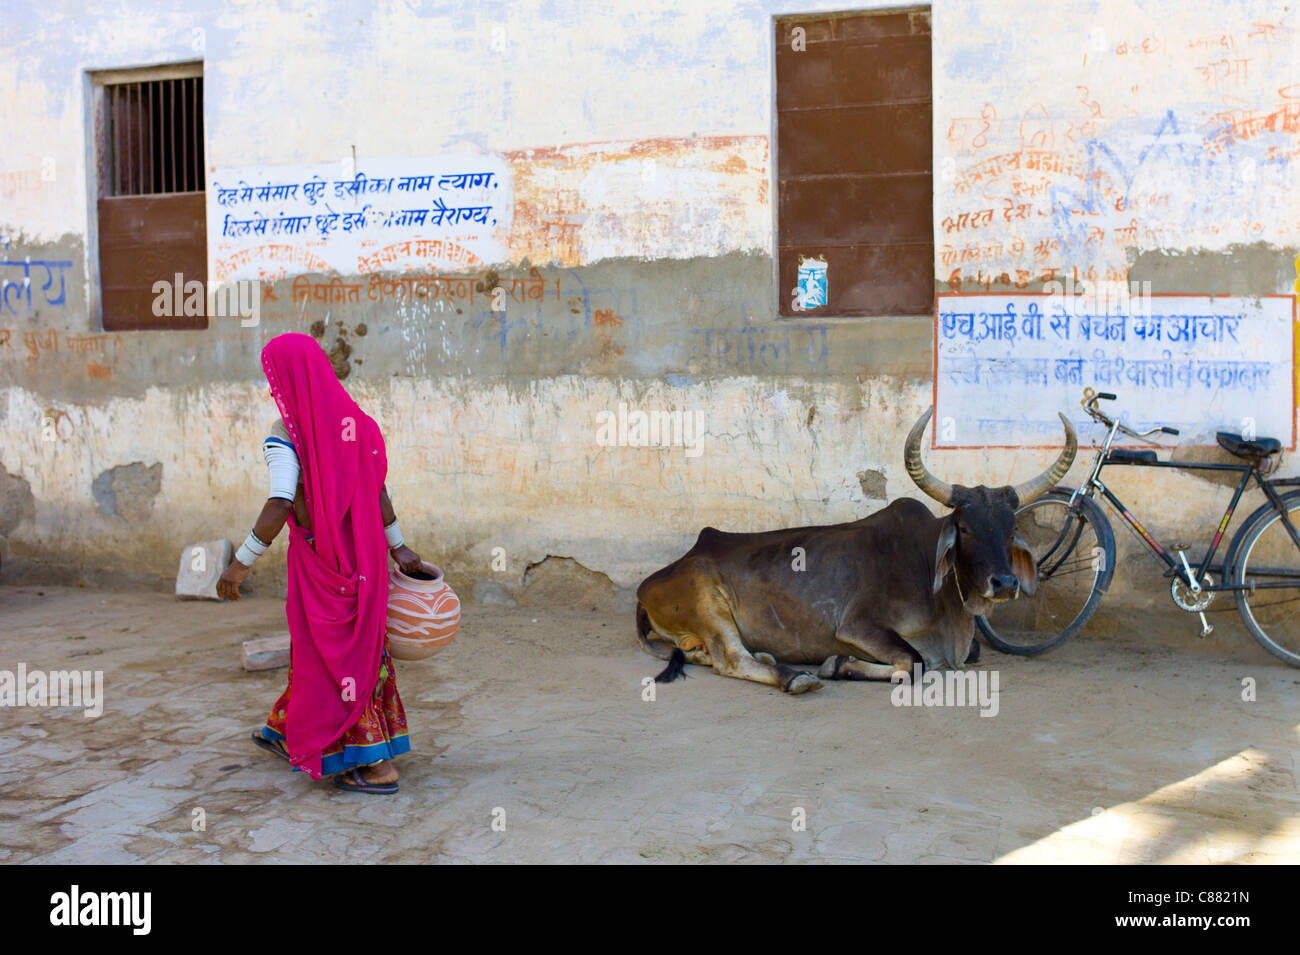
(1130, 456)
(1259, 448)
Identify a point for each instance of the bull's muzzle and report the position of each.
(1002, 587)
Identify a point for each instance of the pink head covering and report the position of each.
(338, 587)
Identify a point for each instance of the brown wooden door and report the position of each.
(145, 239)
(854, 148)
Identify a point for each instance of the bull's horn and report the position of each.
(1038, 486)
(923, 479)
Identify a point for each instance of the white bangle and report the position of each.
(251, 549)
(393, 534)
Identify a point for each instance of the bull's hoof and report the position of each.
(830, 667)
(765, 658)
(803, 683)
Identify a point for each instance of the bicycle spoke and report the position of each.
(1075, 567)
(1073, 544)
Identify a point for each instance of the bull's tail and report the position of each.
(676, 667)
(657, 648)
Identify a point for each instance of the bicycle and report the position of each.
(1073, 543)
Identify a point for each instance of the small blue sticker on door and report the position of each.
(813, 285)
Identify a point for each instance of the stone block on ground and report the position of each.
(201, 567)
(266, 653)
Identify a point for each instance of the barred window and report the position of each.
(151, 205)
(155, 136)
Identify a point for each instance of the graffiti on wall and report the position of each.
(432, 287)
(565, 205)
(761, 350)
(1005, 364)
(99, 353)
(16, 284)
(666, 198)
(1151, 141)
(353, 218)
(16, 182)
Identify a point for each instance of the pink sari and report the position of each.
(338, 583)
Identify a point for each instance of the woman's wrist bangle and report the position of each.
(252, 548)
(393, 534)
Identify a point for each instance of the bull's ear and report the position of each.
(943, 552)
(1024, 566)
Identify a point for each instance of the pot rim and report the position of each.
(415, 582)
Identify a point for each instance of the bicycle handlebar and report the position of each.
(1090, 399)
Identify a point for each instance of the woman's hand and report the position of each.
(231, 578)
(407, 559)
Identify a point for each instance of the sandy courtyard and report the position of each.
(1136, 749)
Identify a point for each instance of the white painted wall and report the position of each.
(575, 97)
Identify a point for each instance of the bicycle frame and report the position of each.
(1093, 483)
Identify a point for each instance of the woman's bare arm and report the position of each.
(269, 524)
(275, 512)
(404, 557)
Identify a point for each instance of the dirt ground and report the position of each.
(1131, 749)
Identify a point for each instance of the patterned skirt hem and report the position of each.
(352, 756)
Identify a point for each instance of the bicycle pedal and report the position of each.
(1206, 628)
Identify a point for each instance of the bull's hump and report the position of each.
(903, 513)
(907, 507)
(712, 537)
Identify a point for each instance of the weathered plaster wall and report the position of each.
(1131, 128)
(640, 149)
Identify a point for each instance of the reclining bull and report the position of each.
(862, 600)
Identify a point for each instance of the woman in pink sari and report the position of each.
(340, 713)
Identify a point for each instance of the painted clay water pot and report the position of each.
(423, 613)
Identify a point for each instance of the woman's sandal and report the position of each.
(274, 747)
(353, 780)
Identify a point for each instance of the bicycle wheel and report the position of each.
(1268, 559)
(1074, 549)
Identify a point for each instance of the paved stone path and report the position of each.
(1138, 749)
